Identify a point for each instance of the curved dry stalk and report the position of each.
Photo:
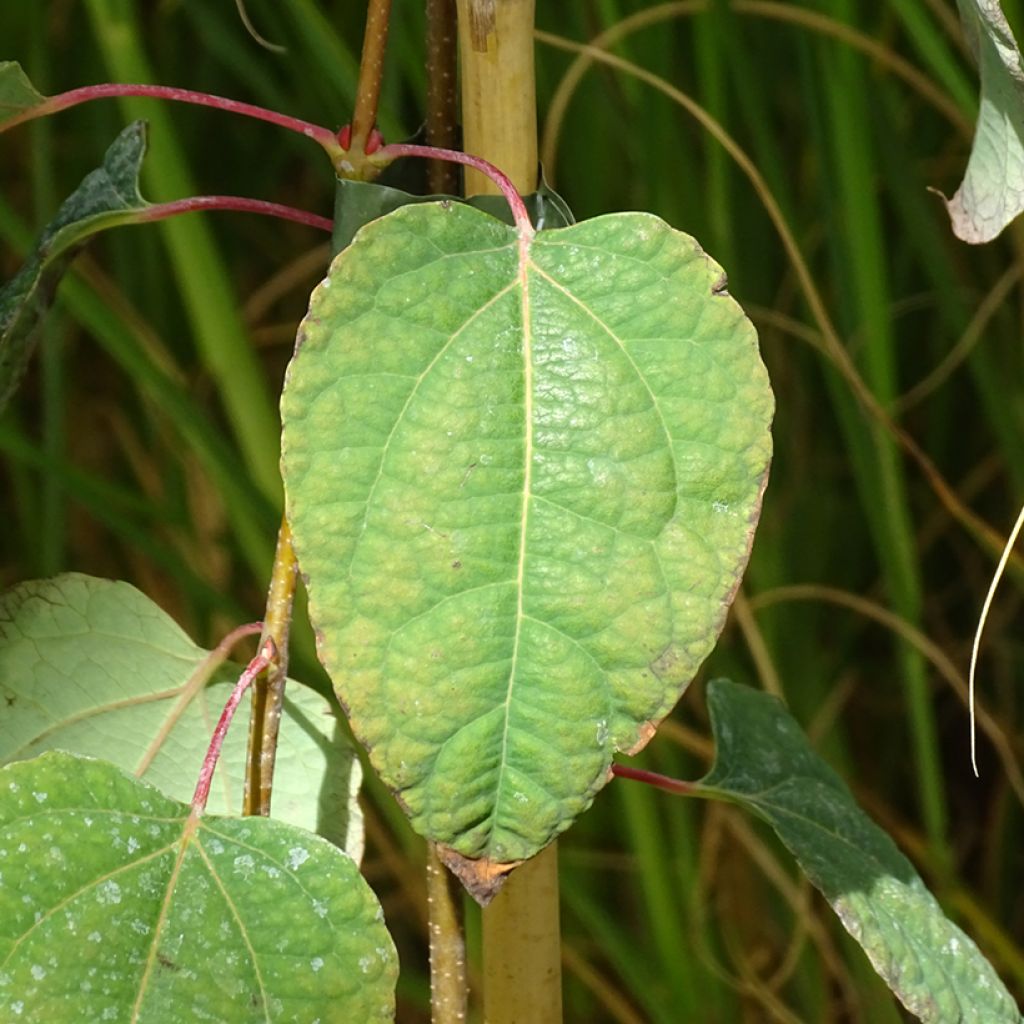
(976, 646)
(243, 15)
(294, 273)
(928, 648)
(834, 347)
(791, 13)
(939, 374)
(614, 1004)
(759, 653)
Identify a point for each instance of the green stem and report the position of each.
(522, 946)
(371, 74)
(268, 693)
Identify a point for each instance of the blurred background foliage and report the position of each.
(143, 443)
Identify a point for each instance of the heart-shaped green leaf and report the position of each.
(118, 904)
(992, 192)
(107, 197)
(522, 479)
(95, 667)
(765, 763)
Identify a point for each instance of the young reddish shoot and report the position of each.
(508, 190)
(676, 786)
(266, 656)
(62, 101)
(241, 204)
(373, 141)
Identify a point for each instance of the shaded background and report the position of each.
(863, 592)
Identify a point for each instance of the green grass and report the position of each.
(143, 443)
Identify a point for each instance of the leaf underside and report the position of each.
(96, 668)
(107, 197)
(992, 192)
(17, 93)
(522, 487)
(765, 763)
(115, 905)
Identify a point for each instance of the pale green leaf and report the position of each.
(95, 667)
(117, 905)
(765, 763)
(992, 192)
(523, 487)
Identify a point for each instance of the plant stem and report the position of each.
(265, 657)
(239, 204)
(521, 940)
(442, 92)
(499, 107)
(522, 946)
(448, 988)
(371, 74)
(63, 101)
(500, 182)
(670, 785)
(268, 695)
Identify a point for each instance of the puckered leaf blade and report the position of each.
(992, 192)
(523, 493)
(765, 763)
(95, 667)
(117, 905)
(107, 197)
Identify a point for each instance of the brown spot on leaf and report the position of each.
(456, 564)
(483, 878)
(721, 286)
(645, 733)
(664, 663)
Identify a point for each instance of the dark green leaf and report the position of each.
(106, 197)
(765, 763)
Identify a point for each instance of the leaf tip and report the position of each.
(482, 878)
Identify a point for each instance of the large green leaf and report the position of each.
(107, 197)
(117, 904)
(992, 192)
(765, 764)
(95, 667)
(522, 482)
(17, 93)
